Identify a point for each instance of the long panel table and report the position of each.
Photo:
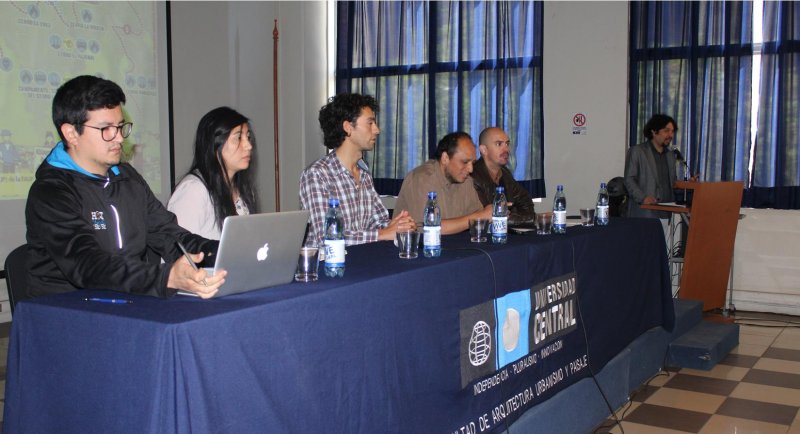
(427, 345)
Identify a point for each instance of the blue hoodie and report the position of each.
(59, 157)
(90, 231)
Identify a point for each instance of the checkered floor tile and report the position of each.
(756, 389)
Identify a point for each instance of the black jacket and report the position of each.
(521, 211)
(90, 232)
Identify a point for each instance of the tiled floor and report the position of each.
(756, 389)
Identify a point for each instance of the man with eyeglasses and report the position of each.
(91, 219)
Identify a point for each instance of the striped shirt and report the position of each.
(362, 209)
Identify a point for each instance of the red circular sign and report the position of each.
(579, 120)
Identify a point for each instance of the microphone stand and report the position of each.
(679, 158)
(685, 178)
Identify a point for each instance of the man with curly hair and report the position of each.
(650, 168)
(349, 128)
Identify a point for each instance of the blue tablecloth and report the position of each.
(380, 350)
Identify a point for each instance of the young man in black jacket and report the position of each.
(90, 219)
(490, 171)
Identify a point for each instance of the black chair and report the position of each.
(617, 197)
(17, 275)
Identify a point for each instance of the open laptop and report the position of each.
(259, 250)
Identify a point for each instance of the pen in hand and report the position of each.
(189, 258)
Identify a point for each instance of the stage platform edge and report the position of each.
(628, 371)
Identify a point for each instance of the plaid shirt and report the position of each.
(361, 207)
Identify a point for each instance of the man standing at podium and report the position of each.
(650, 169)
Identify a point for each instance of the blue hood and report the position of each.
(59, 157)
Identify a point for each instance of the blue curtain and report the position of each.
(438, 67)
(776, 168)
(693, 61)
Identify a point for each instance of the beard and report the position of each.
(451, 179)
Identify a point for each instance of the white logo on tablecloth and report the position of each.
(480, 343)
(511, 330)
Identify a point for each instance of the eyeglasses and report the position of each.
(110, 132)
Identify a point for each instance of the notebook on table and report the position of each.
(258, 250)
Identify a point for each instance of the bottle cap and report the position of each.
(602, 185)
(333, 202)
(431, 195)
(560, 187)
(500, 189)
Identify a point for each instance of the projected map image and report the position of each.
(44, 44)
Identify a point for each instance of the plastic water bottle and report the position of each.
(499, 217)
(601, 211)
(334, 240)
(432, 229)
(560, 211)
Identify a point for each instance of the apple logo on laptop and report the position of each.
(262, 252)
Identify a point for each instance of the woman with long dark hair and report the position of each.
(220, 182)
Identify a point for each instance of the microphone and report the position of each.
(679, 158)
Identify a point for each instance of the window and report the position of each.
(729, 73)
(438, 67)
(775, 168)
(693, 61)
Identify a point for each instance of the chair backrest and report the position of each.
(617, 197)
(17, 275)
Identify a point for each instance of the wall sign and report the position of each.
(579, 124)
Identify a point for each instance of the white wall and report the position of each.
(585, 71)
(222, 54)
(201, 65)
(766, 262)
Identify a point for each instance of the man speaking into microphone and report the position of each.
(650, 169)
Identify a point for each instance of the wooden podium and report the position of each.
(713, 217)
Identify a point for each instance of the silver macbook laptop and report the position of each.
(259, 250)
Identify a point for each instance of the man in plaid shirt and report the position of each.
(349, 128)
